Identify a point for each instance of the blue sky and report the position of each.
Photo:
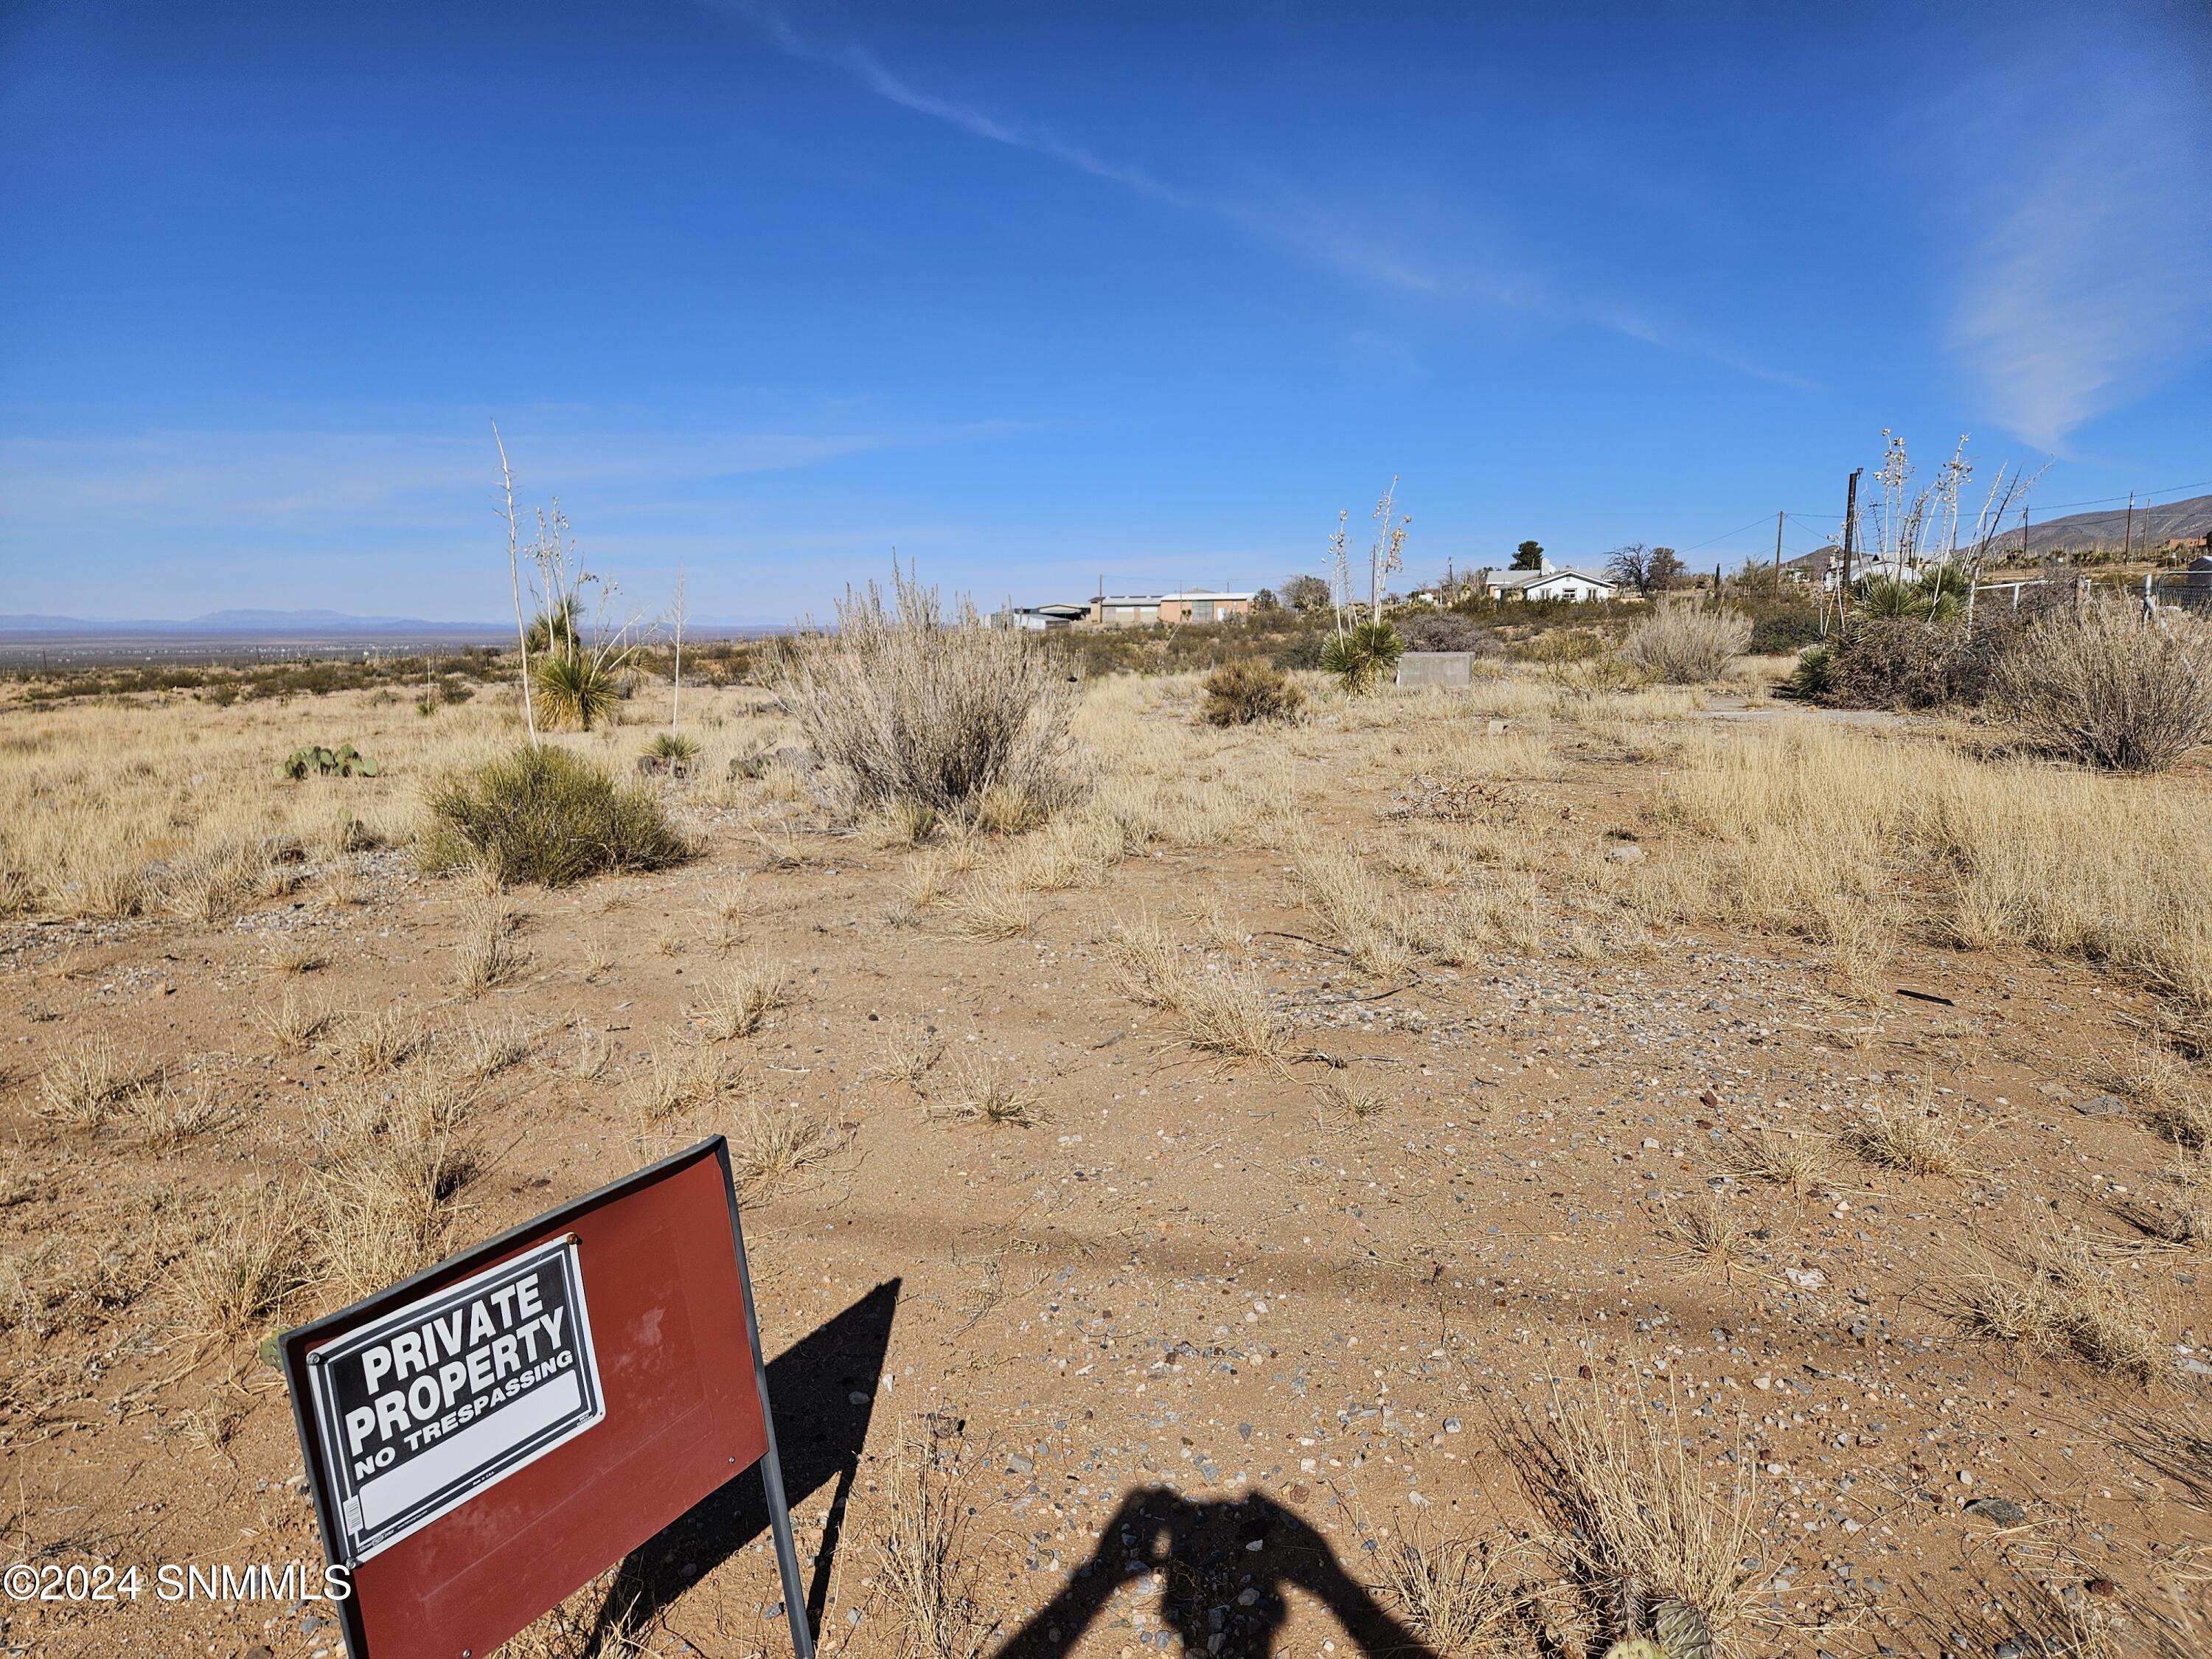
(1037, 293)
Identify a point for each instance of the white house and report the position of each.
(1549, 583)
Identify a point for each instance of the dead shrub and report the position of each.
(1685, 643)
(908, 708)
(918, 1557)
(2102, 685)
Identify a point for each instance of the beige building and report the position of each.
(1199, 604)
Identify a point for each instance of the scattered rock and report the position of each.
(1626, 852)
(2002, 1510)
(2102, 1106)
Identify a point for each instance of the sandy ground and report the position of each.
(1204, 1292)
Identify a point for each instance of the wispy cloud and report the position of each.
(2092, 280)
(1277, 217)
(291, 481)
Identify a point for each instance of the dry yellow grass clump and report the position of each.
(1818, 822)
(1218, 1011)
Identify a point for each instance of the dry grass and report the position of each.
(991, 907)
(1711, 1233)
(295, 953)
(740, 1005)
(2175, 1439)
(984, 1094)
(1915, 1139)
(83, 1084)
(382, 1042)
(1638, 1521)
(1998, 853)
(251, 1262)
(770, 1144)
(485, 954)
(1685, 643)
(728, 909)
(1461, 1597)
(1796, 1161)
(164, 1118)
(390, 1209)
(1357, 913)
(484, 1048)
(1357, 1101)
(669, 1088)
(1218, 1011)
(2060, 1298)
(907, 1054)
(918, 1557)
(292, 1025)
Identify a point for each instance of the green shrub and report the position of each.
(545, 815)
(673, 746)
(343, 761)
(1304, 651)
(1240, 693)
(1785, 630)
(1815, 675)
(1361, 656)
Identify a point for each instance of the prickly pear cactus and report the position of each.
(344, 761)
(1682, 1632)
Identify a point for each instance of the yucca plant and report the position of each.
(1362, 654)
(575, 688)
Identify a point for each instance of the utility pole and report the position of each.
(1778, 518)
(1850, 541)
(2128, 541)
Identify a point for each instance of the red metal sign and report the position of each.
(485, 1438)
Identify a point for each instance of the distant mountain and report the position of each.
(293, 624)
(2154, 526)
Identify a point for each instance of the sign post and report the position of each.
(483, 1439)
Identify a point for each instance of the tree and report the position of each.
(1649, 570)
(1529, 555)
(1265, 600)
(1303, 593)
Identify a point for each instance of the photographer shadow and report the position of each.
(1223, 1568)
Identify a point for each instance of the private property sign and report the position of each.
(488, 1435)
(437, 1399)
